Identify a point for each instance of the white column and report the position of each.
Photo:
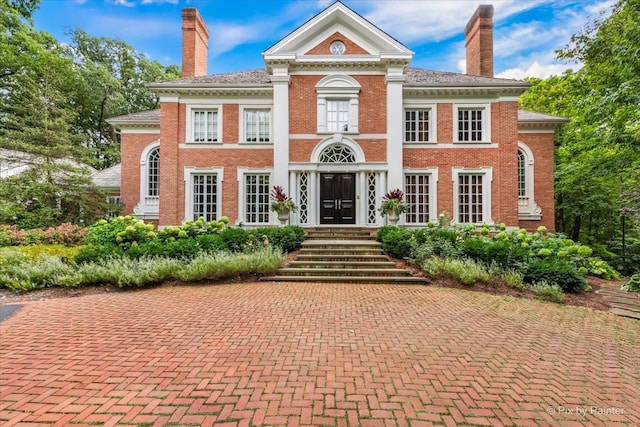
(280, 80)
(363, 212)
(293, 188)
(395, 80)
(313, 194)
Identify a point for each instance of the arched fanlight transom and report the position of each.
(337, 154)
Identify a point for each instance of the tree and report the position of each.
(598, 151)
(36, 115)
(112, 80)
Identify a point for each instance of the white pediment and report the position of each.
(338, 18)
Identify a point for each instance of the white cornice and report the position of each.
(463, 90)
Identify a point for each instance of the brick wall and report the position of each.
(479, 42)
(132, 146)
(351, 48)
(542, 146)
(195, 43)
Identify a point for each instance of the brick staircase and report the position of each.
(342, 255)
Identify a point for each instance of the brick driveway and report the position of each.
(327, 354)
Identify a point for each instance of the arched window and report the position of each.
(153, 172)
(522, 174)
(527, 207)
(148, 206)
(337, 154)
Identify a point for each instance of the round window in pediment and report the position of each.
(337, 48)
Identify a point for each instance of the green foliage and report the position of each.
(96, 253)
(547, 292)
(288, 238)
(395, 241)
(122, 231)
(235, 238)
(633, 285)
(467, 271)
(35, 251)
(598, 150)
(19, 273)
(555, 271)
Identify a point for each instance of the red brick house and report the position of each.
(338, 118)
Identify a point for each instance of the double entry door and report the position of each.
(337, 198)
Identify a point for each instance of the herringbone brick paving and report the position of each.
(316, 354)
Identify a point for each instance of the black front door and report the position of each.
(337, 198)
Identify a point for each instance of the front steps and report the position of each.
(342, 255)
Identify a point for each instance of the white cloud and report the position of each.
(125, 3)
(420, 21)
(159, 1)
(535, 69)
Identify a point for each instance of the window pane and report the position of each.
(338, 115)
(470, 125)
(205, 126)
(153, 173)
(470, 199)
(204, 192)
(417, 126)
(417, 196)
(257, 198)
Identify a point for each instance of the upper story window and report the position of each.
(338, 104)
(257, 125)
(473, 123)
(417, 125)
(337, 115)
(205, 125)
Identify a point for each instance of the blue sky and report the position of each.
(526, 32)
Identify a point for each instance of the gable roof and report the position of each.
(337, 18)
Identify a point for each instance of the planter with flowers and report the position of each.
(393, 205)
(282, 204)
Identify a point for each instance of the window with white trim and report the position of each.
(257, 125)
(470, 199)
(473, 123)
(149, 202)
(420, 191)
(204, 196)
(153, 173)
(417, 125)
(472, 192)
(256, 198)
(469, 125)
(338, 104)
(204, 125)
(522, 174)
(417, 197)
(528, 209)
(337, 115)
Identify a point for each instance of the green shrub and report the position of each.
(43, 272)
(555, 271)
(633, 285)
(34, 251)
(469, 272)
(547, 292)
(512, 278)
(488, 250)
(288, 238)
(224, 265)
(395, 241)
(235, 238)
(211, 242)
(122, 231)
(97, 253)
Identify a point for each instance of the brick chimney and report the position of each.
(195, 43)
(479, 42)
